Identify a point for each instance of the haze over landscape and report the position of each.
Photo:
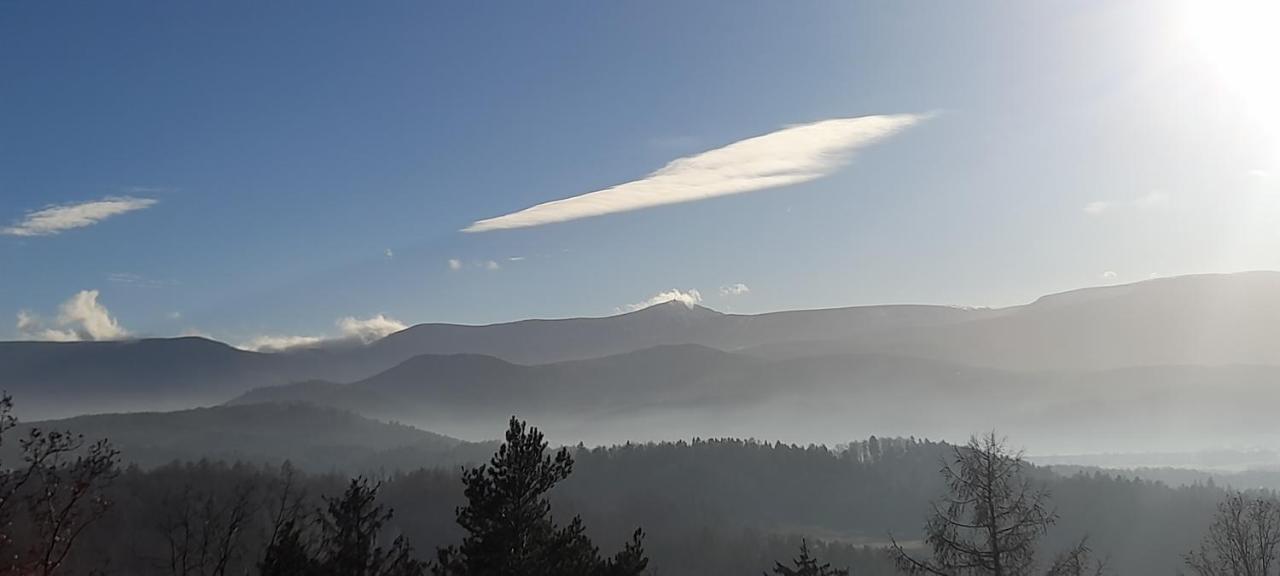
(335, 289)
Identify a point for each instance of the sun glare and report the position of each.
(1241, 40)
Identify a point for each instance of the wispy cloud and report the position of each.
(131, 279)
(369, 329)
(1097, 207)
(455, 264)
(734, 289)
(56, 219)
(1149, 201)
(279, 343)
(81, 317)
(350, 328)
(789, 156)
(689, 298)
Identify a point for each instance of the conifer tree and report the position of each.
(510, 531)
(806, 565)
(350, 530)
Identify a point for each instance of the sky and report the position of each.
(267, 173)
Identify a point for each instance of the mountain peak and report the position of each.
(675, 308)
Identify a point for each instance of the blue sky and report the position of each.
(277, 167)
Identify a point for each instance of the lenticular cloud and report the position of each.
(788, 156)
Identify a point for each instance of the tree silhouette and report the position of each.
(991, 520)
(1242, 541)
(806, 565)
(287, 552)
(508, 520)
(62, 481)
(350, 529)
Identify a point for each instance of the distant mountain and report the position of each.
(1209, 320)
(54, 379)
(310, 436)
(672, 392)
(1190, 320)
(468, 384)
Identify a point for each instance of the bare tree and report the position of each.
(288, 553)
(1242, 541)
(991, 520)
(62, 480)
(203, 530)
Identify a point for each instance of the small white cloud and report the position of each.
(1152, 200)
(1147, 201)
(689, 298)
(491, 265)
(515, 258)
(59, 218)
(369, 329)
(81, 317)
(364, 330)
(1097, 207)
(455, 264)
(734, 289)
(175, 315)
(388, 254)
(1108, 275)
(788, 156)
(279, 343)
(30, 327)
(131, 279)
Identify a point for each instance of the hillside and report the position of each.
(310, 436)
(1204, 321)
(682, 391)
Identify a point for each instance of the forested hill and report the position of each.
(708, 507)
(312, 437)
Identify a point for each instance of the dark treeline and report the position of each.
(706, 506)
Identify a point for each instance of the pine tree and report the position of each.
(806, 565)
(508, 521)
(287, 553)
(350, 530)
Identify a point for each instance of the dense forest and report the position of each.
(716, 506)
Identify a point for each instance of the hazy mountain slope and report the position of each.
(1192, 320)
(1189, 320)
(51, 379)
(473, 385)
(682, 391)
(544, 341)
(311, 436)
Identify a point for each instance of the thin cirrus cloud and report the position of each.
(788, 156)
(59, 218)
(1149, 201)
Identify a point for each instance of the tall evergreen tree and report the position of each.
(806, 565)
(508, 521)
(287, 553)
(350, 529)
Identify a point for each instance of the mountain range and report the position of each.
(1107, 355)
